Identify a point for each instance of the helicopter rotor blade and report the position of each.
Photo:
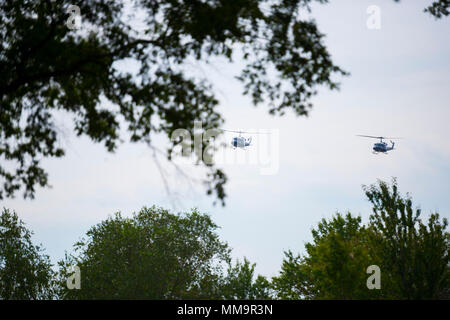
(360, 135)
(247, 132)
(374, 137)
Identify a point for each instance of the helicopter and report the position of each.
(240, 141)
(381, 146)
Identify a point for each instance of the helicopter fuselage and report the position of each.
(240, 142)
(382, 147)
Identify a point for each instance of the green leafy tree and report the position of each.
(25, 272)
(152, 255)
(293, 282)
(240, 283)
(334, 266)
(414, 257)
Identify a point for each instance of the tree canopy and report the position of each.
(156, 254)
(25, 271)
(153, 255)
(413, 256)
(240, 283)
(334, 266)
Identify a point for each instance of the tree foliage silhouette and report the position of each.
(240, 283)
(334, 265)
(439, 8)
(25, 272)
(48, 68)
(153, 255)
(413, 256)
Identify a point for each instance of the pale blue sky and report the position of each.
(399, 86)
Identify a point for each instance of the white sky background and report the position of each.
(399, 86)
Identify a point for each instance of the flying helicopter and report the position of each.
(381, 146)
(240, 141)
